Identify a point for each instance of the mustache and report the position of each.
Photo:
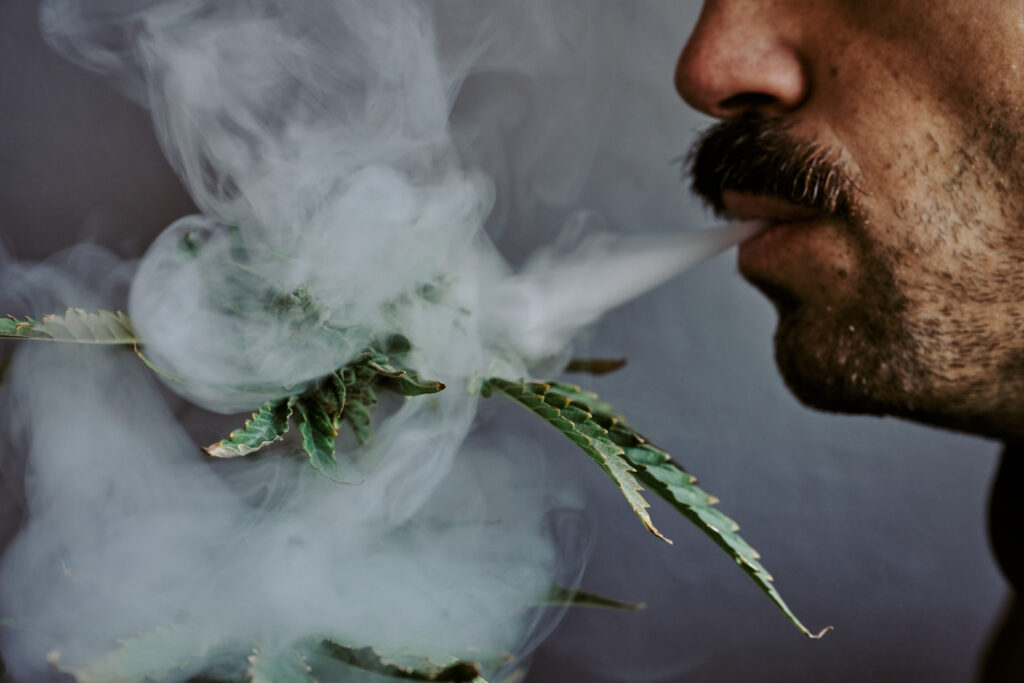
(755, 154)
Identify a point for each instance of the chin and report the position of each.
(843, 360)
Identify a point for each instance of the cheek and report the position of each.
(833, 269)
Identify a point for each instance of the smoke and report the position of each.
(346, 158)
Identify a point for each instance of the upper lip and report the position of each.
(748, 207)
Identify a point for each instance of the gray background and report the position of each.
(876, 527)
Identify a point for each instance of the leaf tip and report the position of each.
(819, 634)
(654, 530)
(216, 450)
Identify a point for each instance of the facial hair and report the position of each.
(850, 354)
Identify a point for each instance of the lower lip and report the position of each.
(779, 243)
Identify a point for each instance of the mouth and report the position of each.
(747, 207)
(788, 226)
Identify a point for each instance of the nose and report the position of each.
(738, 59)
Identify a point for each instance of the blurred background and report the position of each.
(873, 526)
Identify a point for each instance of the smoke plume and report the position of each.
(344, 157)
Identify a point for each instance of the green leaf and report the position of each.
(76, 325)
(332, 393)
(395, 376)
(667, 479)
(287, 666)
(575, 420)
(367, 659)
(410, 384)
(347, 394)
(559, 595)
(361, 399)
(591, 425)
(190, 245)
(587, 399)
(150, 656)
(318, 429)
(397, 345)
(264, 427)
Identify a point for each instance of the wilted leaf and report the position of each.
(76, 325)
(559, 595)
(267, 425)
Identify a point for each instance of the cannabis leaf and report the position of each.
(318, 429)
(368, 659)
(559, 595)
(150, 656)
(267, 425)
(608, 439)
(667, 479)
(347, 394)
(287, 666)
(76, 325)
(158, 653)
(575, 419)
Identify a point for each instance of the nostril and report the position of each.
(745, 101)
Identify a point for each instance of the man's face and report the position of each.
(883, 139)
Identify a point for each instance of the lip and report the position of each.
(789, 225)
(748, 207)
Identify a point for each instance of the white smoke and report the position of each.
(319, 142)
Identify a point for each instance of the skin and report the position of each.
(914, 307)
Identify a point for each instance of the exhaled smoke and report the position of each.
(339, 204)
